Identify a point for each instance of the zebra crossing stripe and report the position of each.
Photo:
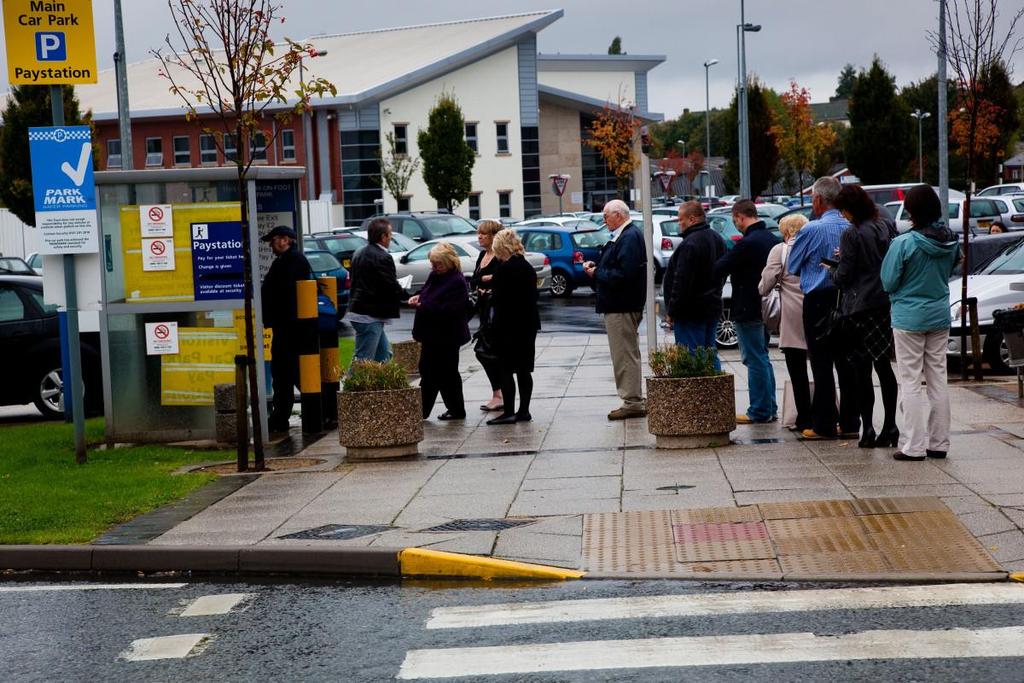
(214, 604)
(712, 650)
(752, 602)
(163, 647)
(90, 587)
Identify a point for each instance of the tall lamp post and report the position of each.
(307, 134)
(744, 134)
(920, 116)
(707, 114)
(682, 144)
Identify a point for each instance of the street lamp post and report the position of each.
(920, 116)
(307, 135)
(707, 113)
(741, 104)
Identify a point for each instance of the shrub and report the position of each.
(368, 375)
(676, 361)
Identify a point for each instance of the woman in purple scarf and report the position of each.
(441, 328)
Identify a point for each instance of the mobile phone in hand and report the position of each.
(829, 263)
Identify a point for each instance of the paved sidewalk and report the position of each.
(572, 462)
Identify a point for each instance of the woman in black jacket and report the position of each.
(440, 327)
(516, 322)
(864, 306)
(480, 284)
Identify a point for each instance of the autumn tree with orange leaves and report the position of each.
(799, 141)
(614, 134)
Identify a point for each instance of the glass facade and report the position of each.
(599, 184)
(531, 171)
(360, 170)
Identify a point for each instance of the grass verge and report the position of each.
(46, 498)
(346, 349)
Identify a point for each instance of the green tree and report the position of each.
(762, 103)
(447, 159)
(28, 106)
(616, 47)
(923, 95)
(995, 83)
(846, 80)
(881, 139)
(799, 140)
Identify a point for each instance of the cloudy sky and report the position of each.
(805, 40)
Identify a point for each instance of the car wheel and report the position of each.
(560, 284)
(725, 335)
(996, 352)
(49, 393)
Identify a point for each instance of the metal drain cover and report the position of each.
(480, 525)
(338, 532)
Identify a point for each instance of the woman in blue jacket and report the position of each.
(915, 273)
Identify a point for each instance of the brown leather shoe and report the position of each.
(627, 412)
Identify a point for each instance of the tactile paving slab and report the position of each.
(881, 506)
(819, 535)
(758, 568)
(747, 513)
(821, 564)
(728, 531)
(623, 542)
(815, 508)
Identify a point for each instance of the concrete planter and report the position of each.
(380, 424)
(407, 355)
(691, 412)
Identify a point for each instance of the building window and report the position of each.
(471, 137)
(182, 151)
(154, 152)
(207, 149)
(360, 173)
(258, 146)
(530, 145)
(288, 145)
(113, 154)
(401, 138)
(403, 203)
(474, 206)
(505, 204)
(230, 148)
(502, 132)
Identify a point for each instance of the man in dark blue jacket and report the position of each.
(744, 264)
(621, 278)
(693, 295)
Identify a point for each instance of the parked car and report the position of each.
(897, 192)
(1011, 209)
(567, 249)
(730, 199)
(1005, 188)
(399, 242)
(991, 286)
(324, 264)
(35, 261)
(13, 265)
(423, 226)
(983, 212)
(768, 210)
(30, 338)
(573, 222)
(417, 262)
(342, 246)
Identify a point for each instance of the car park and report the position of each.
(324, 264)
(30, 339)
(984, 212)
(342, 246)
(417, 262)
(399, 242)
(1005, 188)
(567, 250)
(423, 226)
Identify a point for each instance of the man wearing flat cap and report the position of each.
(280, 313)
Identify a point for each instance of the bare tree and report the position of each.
(228, 71)
(396, 170)
(977, 39)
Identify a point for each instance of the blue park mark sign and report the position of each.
(63, 190)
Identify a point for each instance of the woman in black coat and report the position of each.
(486, 265)
(440, 328)
(864, 305)
(516, 322)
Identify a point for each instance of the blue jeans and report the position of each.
(760, 376)
(371, 342)
(695, 334)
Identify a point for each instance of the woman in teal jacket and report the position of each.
(915, 273)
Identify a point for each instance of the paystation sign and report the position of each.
(49, 43)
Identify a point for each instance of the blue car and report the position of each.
(567, 249)
(325, 264)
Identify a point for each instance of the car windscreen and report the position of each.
(582, 225)
(442, 226)
(1010, 262)
(401, 243)
(339, 244)
(591, 239)
(15, 266)
(322, 261)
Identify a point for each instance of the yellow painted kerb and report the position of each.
(423, 562)
(1017, 576)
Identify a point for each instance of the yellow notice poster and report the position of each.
(206, 358)
(268, 334)
(147, 286)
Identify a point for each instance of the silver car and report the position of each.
(416, 262)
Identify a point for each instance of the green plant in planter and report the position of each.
(368, 375)
(675, 361)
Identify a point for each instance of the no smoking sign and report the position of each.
(156, 220)
(161, 338)
(157, 254)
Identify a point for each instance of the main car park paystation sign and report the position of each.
(62, 185)
(49, 43)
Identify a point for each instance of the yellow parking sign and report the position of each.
(49, 43)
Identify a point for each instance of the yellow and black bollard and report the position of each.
(330, 369)
(308, 333)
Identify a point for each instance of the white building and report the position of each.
(525, 113)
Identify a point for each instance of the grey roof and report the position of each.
(834, 110)
(1017, 160)
(574, 100)
(365, 66)
(569, 62)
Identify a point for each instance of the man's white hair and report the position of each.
(617, 206)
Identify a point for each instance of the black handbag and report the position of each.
(484, 347)
(830, 326)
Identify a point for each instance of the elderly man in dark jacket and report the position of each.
(744, 264)
(621, 278)
(376, 294)
(693, 295)
(280, 313)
